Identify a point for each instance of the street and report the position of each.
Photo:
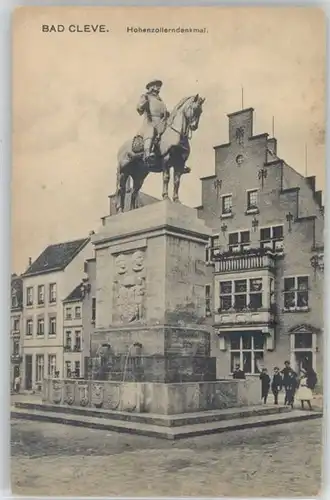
(279, 461)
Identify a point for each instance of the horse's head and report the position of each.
(193, 111)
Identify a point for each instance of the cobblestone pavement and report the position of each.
(51, 459)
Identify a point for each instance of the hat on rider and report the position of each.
(154, 82)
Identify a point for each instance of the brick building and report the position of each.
(266, 255)
(16, 327)
(46, 283)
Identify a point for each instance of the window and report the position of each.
(247, 351)
(68, 313)
(51, 365)
(272, 238)
(252, 200)
(68, 340)
(241, 294)
(208, 300)
(29, 296)
(52, 292)
(68, 369)
(39, 367)
(77, 344)
(16, 347)
(41, 326)
(41, 294)
(227, 204)
(239, 241)
(303, 340)
(16, 324)
(77, 368)
(29, 327)
(77, 312)
(93, 309)
(296, 293)
(52, 325)
(14, 298)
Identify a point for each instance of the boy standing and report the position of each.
(277, 383)
(290, 388)
(265, 384)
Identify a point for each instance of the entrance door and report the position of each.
(28, 372)
(304, 360)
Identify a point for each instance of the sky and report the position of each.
(75, 96)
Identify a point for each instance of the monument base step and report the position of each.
(164, 426)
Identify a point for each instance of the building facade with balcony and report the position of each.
(16, 328)
(46, 283)
(79, 310)
(266, 255)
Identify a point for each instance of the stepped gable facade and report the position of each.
(266, 254)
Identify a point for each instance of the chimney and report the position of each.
(30, 261)
(91, 233)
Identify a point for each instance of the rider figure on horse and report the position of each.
(155, 115)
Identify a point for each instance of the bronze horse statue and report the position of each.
(171, 151)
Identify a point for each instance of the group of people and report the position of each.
(296, 387)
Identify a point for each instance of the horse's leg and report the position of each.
(138, 180)
(176, 185)
(118, 190)
(135, 192)
(166, 180)
(121, 191)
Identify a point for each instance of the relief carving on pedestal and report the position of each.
(83, 394)
(69, 393)
(97, 395)
(129, 288)
(57, 391)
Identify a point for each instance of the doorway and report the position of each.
(28, 372)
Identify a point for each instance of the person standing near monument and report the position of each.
(265, 384)
(287, 378)
(290, 388)
(304, 393)
(238, 374)
(277, 383)
(155, 114)
(17, 383)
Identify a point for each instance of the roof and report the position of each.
(56, 257)
(75, 295)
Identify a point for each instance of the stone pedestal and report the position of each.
(151, 279)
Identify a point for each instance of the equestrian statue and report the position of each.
(161, 144)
